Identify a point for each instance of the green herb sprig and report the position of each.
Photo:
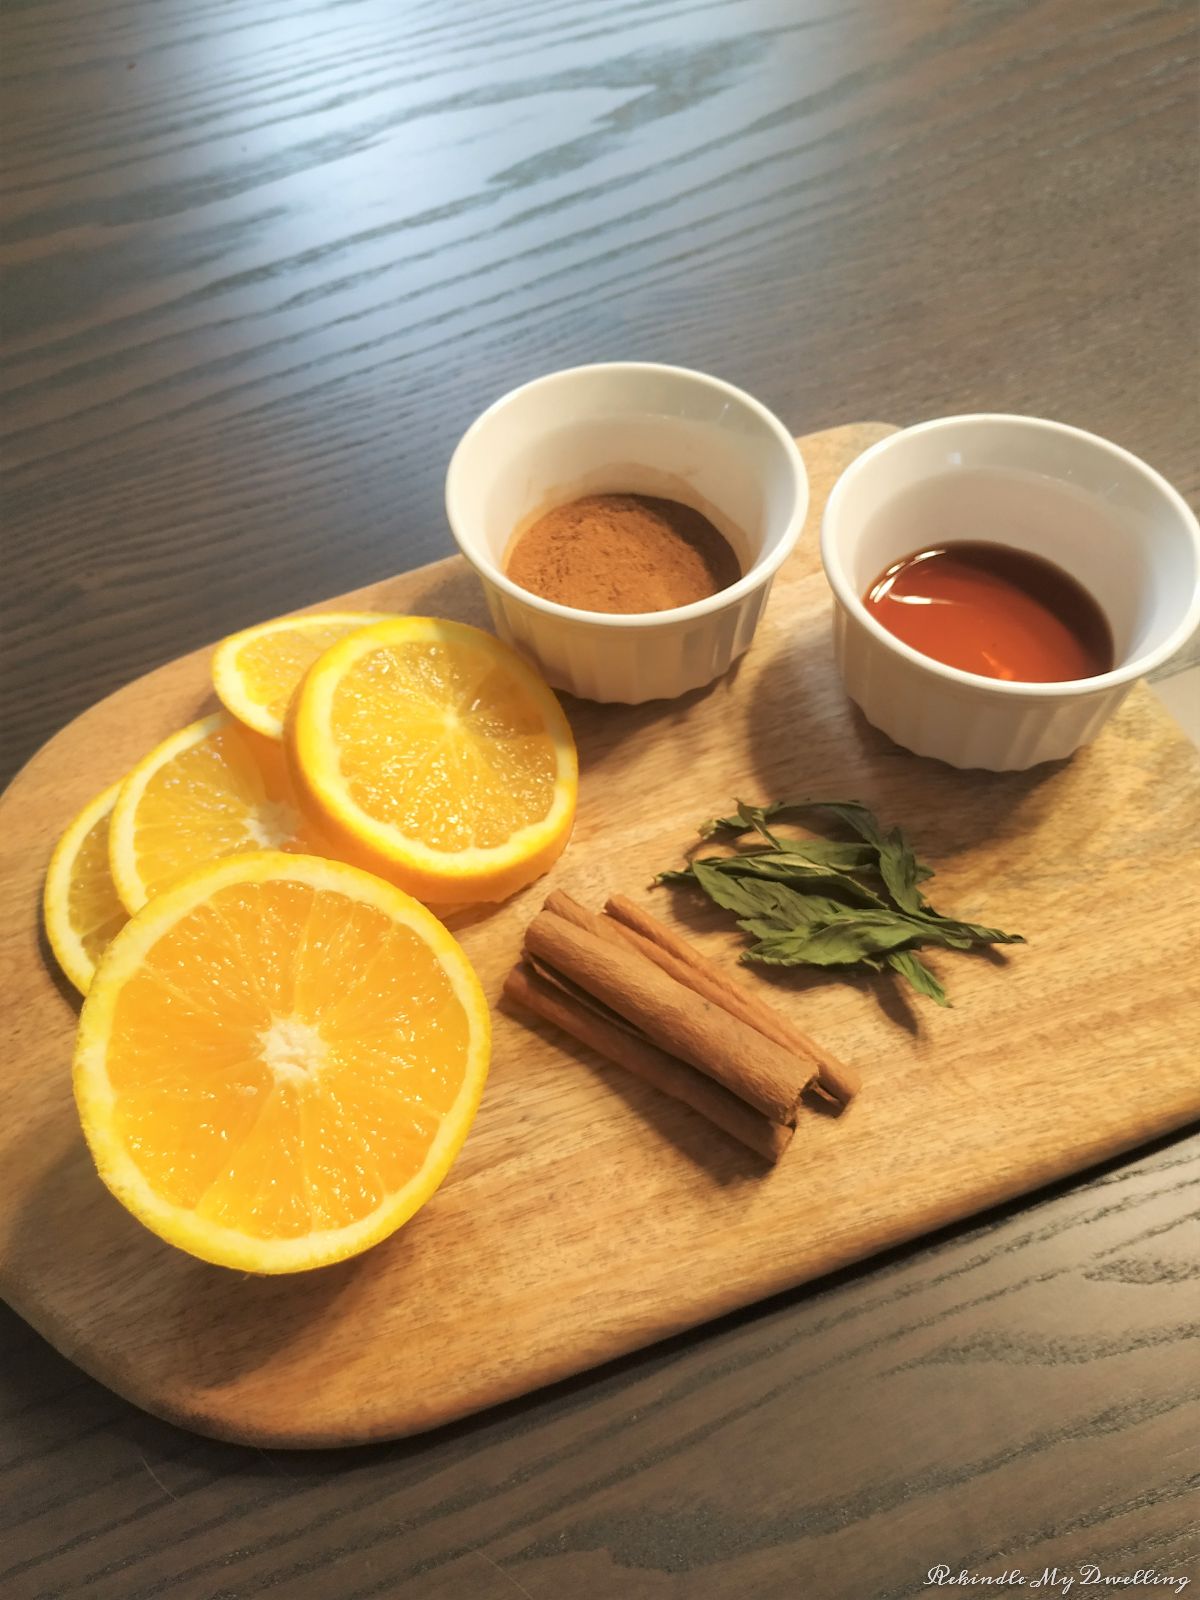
(824, 902)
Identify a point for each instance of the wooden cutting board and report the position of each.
(586, 1215)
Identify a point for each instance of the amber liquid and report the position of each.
(991, 610)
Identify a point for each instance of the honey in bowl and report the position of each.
(994, 611)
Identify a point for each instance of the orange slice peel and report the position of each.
(80, 906)
(256, 672)
(432, 754)
(278, 1061)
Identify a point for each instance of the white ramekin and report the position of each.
(1087, 505)
(636, 428)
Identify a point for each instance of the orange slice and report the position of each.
(80, 905)
(432, 754)
(278, 1060)
(255, 672)
(208, 791)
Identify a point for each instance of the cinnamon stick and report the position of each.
(689, 966)
(627, 1049)
(563, 905)
(617, 932)
(673, 1016)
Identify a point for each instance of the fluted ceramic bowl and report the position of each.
(1087, 505)
(631, 428)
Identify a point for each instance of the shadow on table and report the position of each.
(807, 738)
(726, 1162)
(450, 591)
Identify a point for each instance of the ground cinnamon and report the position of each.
(622, 553)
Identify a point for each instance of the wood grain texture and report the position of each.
(262, 264)
(265, 265)
(588, 1215)
(1020, 1392)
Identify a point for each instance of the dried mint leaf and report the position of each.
(830, 902)
(909, 965)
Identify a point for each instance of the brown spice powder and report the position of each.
(622, 552)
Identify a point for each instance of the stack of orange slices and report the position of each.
(282, 1049)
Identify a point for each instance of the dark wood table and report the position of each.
(265, 262)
